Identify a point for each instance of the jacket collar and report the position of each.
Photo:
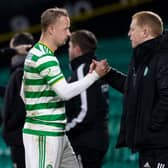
(145, 51)
(86, 58)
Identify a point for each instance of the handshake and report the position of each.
(101, 67)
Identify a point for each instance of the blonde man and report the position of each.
(44, 90)
(144, 124)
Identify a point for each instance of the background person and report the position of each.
(6, 54)
(87, 113)
(13, 116)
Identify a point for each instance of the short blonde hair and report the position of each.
(150, 19)
(51, 15)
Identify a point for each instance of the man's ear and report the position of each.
(50, 29)
(11, 43)
(147, 31)
(78, 49)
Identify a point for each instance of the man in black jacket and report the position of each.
(144, 123)
(13, 113)
(6, 54)
(87, 113)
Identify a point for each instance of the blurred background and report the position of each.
(109, 20)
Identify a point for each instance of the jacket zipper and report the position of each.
(134, 77)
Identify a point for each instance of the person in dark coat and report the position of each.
(7, 54)
(144, 122)
(13, 113)
(87, 113)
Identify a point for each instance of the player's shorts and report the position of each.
(49, 152)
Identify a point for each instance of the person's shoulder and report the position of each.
(162, 59)
(18, 72)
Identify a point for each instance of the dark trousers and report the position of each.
(153, 159)
(18, 156)
(91, 158)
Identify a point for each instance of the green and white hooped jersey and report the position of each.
(45, 109)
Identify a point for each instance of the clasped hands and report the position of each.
(101, 67)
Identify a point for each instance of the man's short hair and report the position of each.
(150, 19)
(85, 39)
(51, 15)
(22, 38)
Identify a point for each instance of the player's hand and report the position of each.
(92, 65)
(101, 67)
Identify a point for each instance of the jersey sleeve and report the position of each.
(49, 69)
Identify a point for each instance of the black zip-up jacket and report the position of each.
(14, 109)
(87, 113)
(144, 123)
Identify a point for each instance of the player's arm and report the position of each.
(49, 68)
(68, 90)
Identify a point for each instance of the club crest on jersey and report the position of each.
(147, 165)
(49, 166)
(146, 71)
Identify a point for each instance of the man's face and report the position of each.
(136, 33)
(60, 30)
(73, 51)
